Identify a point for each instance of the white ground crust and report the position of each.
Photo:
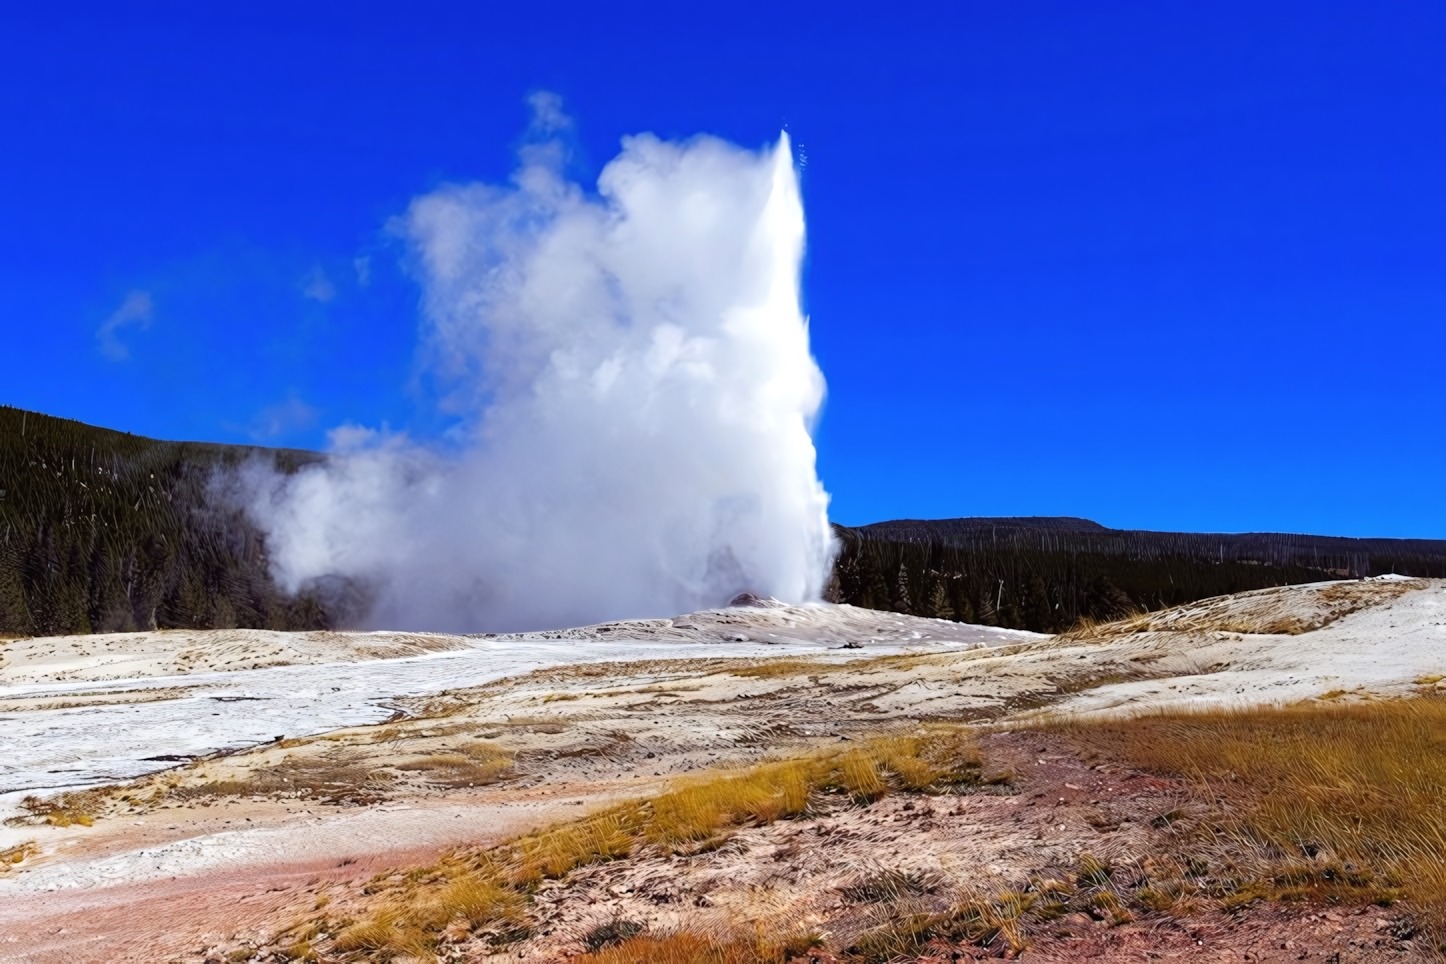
(1395, 645)
(179, 652)
(75, 719)
(329, 836)
(1383, 650)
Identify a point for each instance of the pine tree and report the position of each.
(939, 606)
(875, 593)
(901, 602)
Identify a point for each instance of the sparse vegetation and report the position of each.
(71, 808)
(775, 668)
(690, 948)
(334, 778)
(1323, 801)
(486, 892)
(474, 764)
(1248, 614)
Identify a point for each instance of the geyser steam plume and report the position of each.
(637, 369)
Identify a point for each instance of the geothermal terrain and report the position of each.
(849, 785)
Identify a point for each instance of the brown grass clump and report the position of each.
(1317, 801)
(690, 948)
(1000, 922)
(387, 933)
(787, 666)
(553, 853)
(1183, 620)
(474, 765)
(333, 778)
(700, 807)
(775, 668)
(71, 808)
(934, 760)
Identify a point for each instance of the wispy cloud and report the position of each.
(283, 418)
(548, 116)
(134, 310)
(317, 286)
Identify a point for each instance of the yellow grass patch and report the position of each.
(1318, 801)
(489, 890)
(788, 666)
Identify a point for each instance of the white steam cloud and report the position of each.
(637, 369)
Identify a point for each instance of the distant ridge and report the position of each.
(935, 527)
(1335, 552)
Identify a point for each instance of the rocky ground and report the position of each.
(209, 861)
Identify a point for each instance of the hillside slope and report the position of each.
(104, 531)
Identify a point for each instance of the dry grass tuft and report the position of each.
(792, 666)
(701, 806)
(609, 835)
(71, 808)
(933, 760)
(690, 948)
(474, 765)
(1000, 922)
(337, 778)
(886, 886)
(775, 668)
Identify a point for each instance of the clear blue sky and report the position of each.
(1166, 265)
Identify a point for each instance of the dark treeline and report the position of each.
(103, 531)
(1045, 574)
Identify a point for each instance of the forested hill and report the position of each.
(1044, 573)
(104, 531)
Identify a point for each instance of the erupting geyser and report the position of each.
(638, 371)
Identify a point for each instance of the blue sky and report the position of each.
(1163, 265)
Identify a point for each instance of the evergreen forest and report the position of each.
(104, 531)
(1046, 574)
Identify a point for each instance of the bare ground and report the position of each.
(214, 858)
